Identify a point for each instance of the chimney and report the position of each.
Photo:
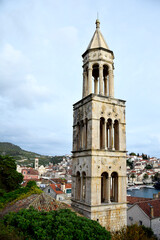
(63, 187)
(152, 212)
(155, 196)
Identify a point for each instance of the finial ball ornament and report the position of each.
(97, 23)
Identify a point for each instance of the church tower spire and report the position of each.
(98, 66)
(99, 141)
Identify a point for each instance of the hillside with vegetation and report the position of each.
(24, 157)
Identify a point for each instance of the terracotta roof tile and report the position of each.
(30, 171)
(39, 202)
(133, 200)
(68, 185)
(147, 205)
(56, 188)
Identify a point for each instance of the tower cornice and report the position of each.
(96, 49)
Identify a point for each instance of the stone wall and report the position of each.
(111, 216)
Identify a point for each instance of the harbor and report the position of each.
(145, 191)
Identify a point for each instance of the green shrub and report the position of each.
(8, 233)
(58, 225)
(31, 184)
(20, 193)
(10, 179)
(134, 232)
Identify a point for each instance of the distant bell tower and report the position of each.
(99, 141)
(36, 163)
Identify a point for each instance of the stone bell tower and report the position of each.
(99, 141)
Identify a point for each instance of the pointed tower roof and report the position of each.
(97, 40)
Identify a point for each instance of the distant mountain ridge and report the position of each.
(14, 150)
(24, 157)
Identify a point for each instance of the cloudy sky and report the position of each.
(41, 43)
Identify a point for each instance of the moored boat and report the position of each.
(157, 185)
(149, 186)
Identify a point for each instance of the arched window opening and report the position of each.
(86, 82)
(104, 187)
(78, 136)
(109, 133)
(82, 135)
(116, 135)
(95, 74)
(102, 133)
(114, 187)
(86, 132)
(83, 186)
(78, 186)
(106, 80)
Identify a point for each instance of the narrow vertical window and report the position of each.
(114, 187)
(104, 187)
(116, 135)
(86, 135)
(95, 74)
(109, 134)
(102, 133)
(78, 186)
(78, 136)
(83, 186)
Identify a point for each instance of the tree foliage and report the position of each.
(145, 176)
(19, 193)
(132, 154)
(156, 177)
(133, 176)
(134, 232)
(10, 179)
(144, 156)
(8, 233)
(148, 166)
(58, 225)
(130, 163)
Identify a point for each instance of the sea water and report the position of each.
(143, 192)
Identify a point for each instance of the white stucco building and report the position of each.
(146, 213)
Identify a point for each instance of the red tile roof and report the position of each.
(133, 200)
(30, 171)
(59, 180)
(39, 202)
(56, 188)
(68, 185)
(147, 205)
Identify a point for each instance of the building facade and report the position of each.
(146, 213)
(54, 191)
(99, 141)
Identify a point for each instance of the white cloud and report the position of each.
(18, 86)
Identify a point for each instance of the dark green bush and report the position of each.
(58, 225)
(10, 179)
(8, 233)
(31, 184)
